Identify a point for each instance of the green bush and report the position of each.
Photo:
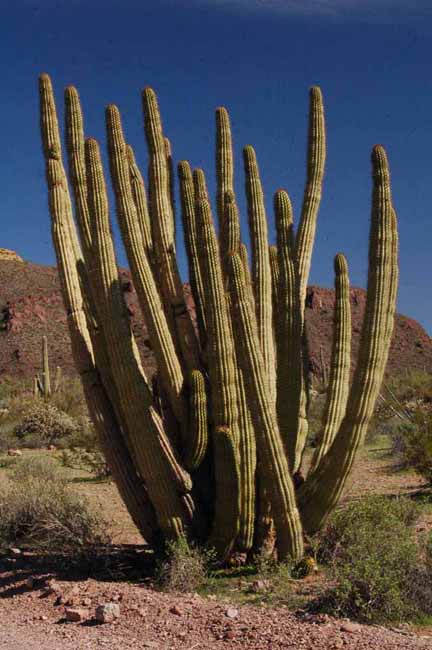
(413, 443)
(92, 461)
(376, 563)
(44, 423)
(185, 568)
(38, 511)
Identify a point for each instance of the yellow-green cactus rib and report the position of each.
(220, 346)
(261, 273)
(163, 239)
(316, 154)
(162, 344)
(288, 330)
(230, 237)
(274, 267)
(224, 168)
(247, 447)
(187, 197)
(116, 453)
(323, 488)
(338, 389)
(275, 471)
(164, 478)
(51, 144)
(171, 185)
(198, 435)
(74, 129)
(140, 199)
(46, 377)
(227, 472)
(242, 425)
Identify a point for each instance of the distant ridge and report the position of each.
(31, 306)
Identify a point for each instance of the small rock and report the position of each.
(43, 618)
(352, 628)
(51, 447)
(231, 612)
(15, 551)
(14, 452)
(52, 587)
(75, 615)
(337, 643)
(107, 613)
(86, 602)
(229, 634)
(258, 586)
(175, 610)
(29, 583)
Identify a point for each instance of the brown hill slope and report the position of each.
(31, 306)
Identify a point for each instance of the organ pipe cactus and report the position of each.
(212, 447)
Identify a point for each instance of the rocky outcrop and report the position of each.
(6, 254)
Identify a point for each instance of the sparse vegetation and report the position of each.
(184, 568)
(377, 564)
(39, 512)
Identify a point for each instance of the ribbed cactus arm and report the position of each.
(163, 236)
(247, 446)
(224, 168)
(187, 197)
(220, 354)
(225, 526)
(340, 365)
(288, 330)
(164, 478)
(160, 336)
(261, 273)
(46, 375)
(269, 443)
(220, 345)
(52, 149)
(198, 436)
(74, 129)
(230, 237)
(324, 487)
(171, 182)
(316, 154)
(110, 435)
(140, 199)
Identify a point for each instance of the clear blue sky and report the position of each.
(372, 59)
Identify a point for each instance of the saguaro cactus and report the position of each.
(215, 453)
(42, 383)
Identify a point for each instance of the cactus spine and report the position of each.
(223, 409)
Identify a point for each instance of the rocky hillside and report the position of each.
(31, 306)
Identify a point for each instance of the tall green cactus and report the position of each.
(215, 453)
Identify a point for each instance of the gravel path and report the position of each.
(33, 620)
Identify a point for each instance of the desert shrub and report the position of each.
(373, 556)
(412, 443)
(92, 461)
(44, 423)
(70, 398)
(82, 450)
(39, 512)
(412, 385)
(184, 568)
